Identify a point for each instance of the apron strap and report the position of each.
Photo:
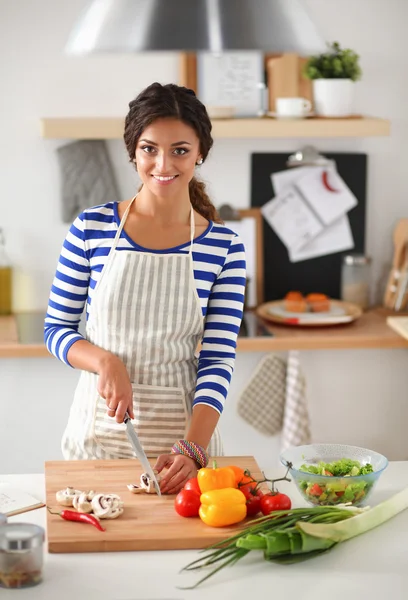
(122, 224)
(192, 231)
(115, 243)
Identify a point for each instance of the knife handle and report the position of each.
(126, 418)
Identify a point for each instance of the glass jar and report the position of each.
(21, 555)
(5, 279)
(355, 280)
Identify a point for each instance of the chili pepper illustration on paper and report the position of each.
(326, 182)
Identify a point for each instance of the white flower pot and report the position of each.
(333, 97)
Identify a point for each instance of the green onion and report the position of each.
(292, 536)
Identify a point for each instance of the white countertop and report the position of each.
(373, 566)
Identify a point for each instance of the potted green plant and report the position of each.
(334, 74)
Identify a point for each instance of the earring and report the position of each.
(200, 161)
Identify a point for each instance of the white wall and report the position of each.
(355, 396)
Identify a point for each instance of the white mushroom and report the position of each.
(82, 502)
(107, 506)
(135, 489)
(147, 483)
(66, 497)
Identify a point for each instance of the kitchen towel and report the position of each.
(87, 177)
(274, 400)
(296, 424)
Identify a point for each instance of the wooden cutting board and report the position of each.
(149, 522)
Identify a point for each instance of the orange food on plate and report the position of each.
(318, 302)
(294, 296)
(294, 302)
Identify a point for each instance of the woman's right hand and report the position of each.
(115, 387)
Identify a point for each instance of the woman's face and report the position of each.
(166, 154)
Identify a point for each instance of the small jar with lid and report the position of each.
(5, 279)
(21, 555)
(355, 280)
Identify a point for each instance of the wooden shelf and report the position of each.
(21, 336)
(112, 128)
(370, 331)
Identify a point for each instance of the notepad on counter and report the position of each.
(399, 324)
(14, 501)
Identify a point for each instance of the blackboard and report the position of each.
(320, 274)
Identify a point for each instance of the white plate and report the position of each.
(340, 312)
(279, 311)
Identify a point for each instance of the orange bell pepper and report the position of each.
(243, 478)
(220, 508)
(215, 478)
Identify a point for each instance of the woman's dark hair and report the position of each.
(162, 101)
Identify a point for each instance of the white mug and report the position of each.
(292, 107)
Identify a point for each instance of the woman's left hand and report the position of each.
(180, 469)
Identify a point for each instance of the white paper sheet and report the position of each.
(326, 192)
(336, 237)
(14, 501)
(283, 179)
(291, 219)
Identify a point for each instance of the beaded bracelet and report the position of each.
(193, 450)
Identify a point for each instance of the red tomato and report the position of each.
(316, 490)
(187, 503)
(276, 501)
(253, 497)
(192, 484)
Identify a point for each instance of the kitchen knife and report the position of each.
(140, 453)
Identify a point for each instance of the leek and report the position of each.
(368, 519)
(298, 534)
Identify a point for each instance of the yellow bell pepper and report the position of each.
(222, 507)
(216, 478)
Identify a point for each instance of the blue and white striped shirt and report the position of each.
(219, 273)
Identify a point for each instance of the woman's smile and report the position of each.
(164, 179)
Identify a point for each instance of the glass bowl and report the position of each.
(329, 490)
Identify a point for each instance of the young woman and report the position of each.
(158, 275)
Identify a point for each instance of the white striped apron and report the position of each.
(145, 309)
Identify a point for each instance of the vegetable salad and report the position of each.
(336, 491)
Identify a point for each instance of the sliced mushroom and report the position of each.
(136, 489)
(66, 497)
(82, 503)
(107, 506)
(147, 483)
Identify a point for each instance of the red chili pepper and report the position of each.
(72, 515)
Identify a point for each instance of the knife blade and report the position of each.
(140, 453)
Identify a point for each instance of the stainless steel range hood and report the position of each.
(194, 25)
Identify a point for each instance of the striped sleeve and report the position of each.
(222, 324)
(68, 294)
